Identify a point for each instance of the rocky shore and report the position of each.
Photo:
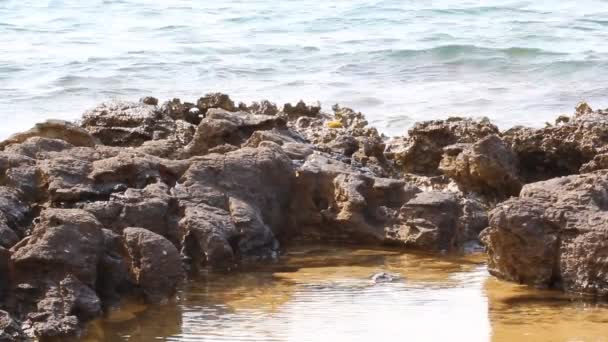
(138, 196)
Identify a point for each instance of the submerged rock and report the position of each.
(384, 277)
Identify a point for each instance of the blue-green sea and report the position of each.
(398, 61)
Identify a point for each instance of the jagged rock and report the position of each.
(215, 100)
(54, 129)
(234, 204)
(487, 167)
(333, 201)
(5, 257)
(421, 151)
(130, 124)
(599, 162)
(9, 329)
(112, 269)
(562, 150)
(223, 186)
(63, 240)
(436, 220)
(182, 111)
(154, 263)
(13, 215)
(58, 262)
(553, 235)
(301, 109)
(264, 107)
(223, 127)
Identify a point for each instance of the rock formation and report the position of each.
(137, 196)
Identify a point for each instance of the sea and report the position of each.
(397, 61)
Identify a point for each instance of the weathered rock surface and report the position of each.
(487, 167)
(553, 235)
(562, 149)
(154, 262)
(211, 184)
(421, 151)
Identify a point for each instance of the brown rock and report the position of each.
(562, 150)
(487, 167)
(54, 129)
(421, 151)
(155, 265)
(131, 124)
(64, 241)
(222, 127)
(553, 235)
(215, 100)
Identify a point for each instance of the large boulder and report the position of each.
(553, 235)
(234, 204)
(54, 273)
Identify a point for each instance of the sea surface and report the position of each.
(398, 61)
(324, 294)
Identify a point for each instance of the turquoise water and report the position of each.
(518, 62)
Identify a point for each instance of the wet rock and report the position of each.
(54, 129)
(112, 277)
(154, 263)
(62, 309)
(487, 167)
(421, 151)
(384, 277)
(553, 235)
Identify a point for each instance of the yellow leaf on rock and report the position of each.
(335, 124)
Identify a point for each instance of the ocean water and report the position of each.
(398, 61)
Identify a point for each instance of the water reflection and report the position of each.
(325, 294)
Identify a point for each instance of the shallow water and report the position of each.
(399, 61)
(325, 294)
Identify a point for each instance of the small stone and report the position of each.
(384, 277)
